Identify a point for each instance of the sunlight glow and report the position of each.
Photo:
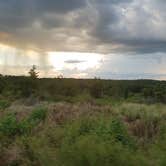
(74, 60)
(10, 56)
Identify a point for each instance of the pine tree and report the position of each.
(33, 73)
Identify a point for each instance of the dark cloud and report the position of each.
(61, 6)
(84, 25)
(112, 1)
(23, 13)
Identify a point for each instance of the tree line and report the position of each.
(150, 91)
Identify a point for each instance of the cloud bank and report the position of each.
(84, 25)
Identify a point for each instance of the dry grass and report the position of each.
(144, 122)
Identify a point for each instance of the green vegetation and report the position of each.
(58, 89)
(10, 126)
(78, 134)
(33, 74)
(38, 115)
(68, 122)
(4, 104)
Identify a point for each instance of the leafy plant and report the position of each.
(9, 125)
(96, 142)
(38, 115)
(4, 104)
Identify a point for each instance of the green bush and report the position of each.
(9, 125)
(4, 104)
(97, 142)
(107, 130)
(114, 129)
(90, 150)
(38, 115)
(34, 118)
(91, 141)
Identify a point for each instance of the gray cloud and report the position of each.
(84, 25)
(74, 61)
(60, 6)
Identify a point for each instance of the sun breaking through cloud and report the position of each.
(34, 29)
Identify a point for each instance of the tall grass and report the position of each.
(88, 134)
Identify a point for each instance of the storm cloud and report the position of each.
(101, 26)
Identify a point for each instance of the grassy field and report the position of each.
(92, 133)
(69, 122)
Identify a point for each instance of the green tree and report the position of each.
(33, 73)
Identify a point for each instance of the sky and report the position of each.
(110, 39)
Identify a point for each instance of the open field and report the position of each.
(82, 82)
(83, 134)
(84, 124)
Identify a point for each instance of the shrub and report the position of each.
(4, 104)
(90, 150)
(107, 129)
(38, 115)
(96, 142)
(27, 124)
(9, 125)
(115, 131)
